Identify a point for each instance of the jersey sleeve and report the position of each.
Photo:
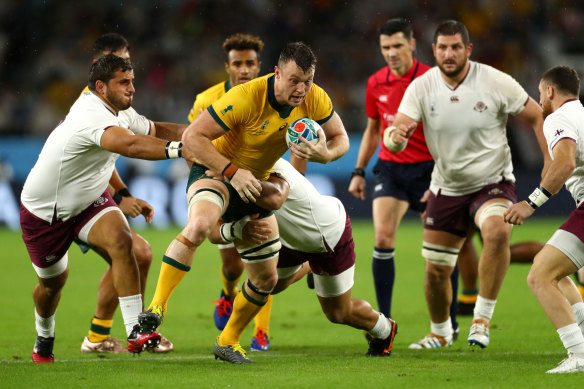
(370, 105)
(319, 105)
(411, 102)
(513, 96)
(139, 124)
(556, 128)
(233, 108)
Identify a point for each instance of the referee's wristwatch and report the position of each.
(358, 172)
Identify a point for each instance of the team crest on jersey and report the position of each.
(100, 201)
(480, 107)
(227, 109)
(265, 124)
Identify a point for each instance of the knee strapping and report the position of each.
(207, 194)
(261, 252)
(440, 255)
(255, 289)
(495, 209)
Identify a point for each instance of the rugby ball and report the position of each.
(303, 127)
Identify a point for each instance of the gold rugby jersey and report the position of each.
(255, 123)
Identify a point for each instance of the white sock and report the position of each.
(382, 329)
(578, 309)
(484, 308)
(572, 338)
(130, 306)
(45, 326)
(442, 329)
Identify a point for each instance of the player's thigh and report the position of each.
(205, 194)
(552, 263)
(110, 230)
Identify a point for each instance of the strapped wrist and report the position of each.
(229, 170)
(173, 150)
(124, 192)
(358, 172)
(538, 197)
(390, 144)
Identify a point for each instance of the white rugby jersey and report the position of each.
(568, 122)
(72, 170)
(465, 126)
(308, 219)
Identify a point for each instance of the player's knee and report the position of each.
(198, 229)
(143, 252)
(263, 285)
(384, 239)
(267, 282)
(492, 224)
(116, 241)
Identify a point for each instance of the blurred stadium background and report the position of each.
(45, 54)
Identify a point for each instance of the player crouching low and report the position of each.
(316, 229)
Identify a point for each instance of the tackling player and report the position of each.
(317, 230)
(98, 339)
(66, 196)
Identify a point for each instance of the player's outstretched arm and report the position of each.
(168, 131)
(124, 142)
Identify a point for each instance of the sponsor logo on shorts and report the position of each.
(383, 98)
(50, 258)
(378, 187)
(100, 201)
(430, 221)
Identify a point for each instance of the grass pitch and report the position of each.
(306, 350)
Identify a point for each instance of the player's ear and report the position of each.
(413, 44)
(277, 71)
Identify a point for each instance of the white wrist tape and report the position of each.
(173, 149)
(233, 230)
(538, 197)
(390, 144)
